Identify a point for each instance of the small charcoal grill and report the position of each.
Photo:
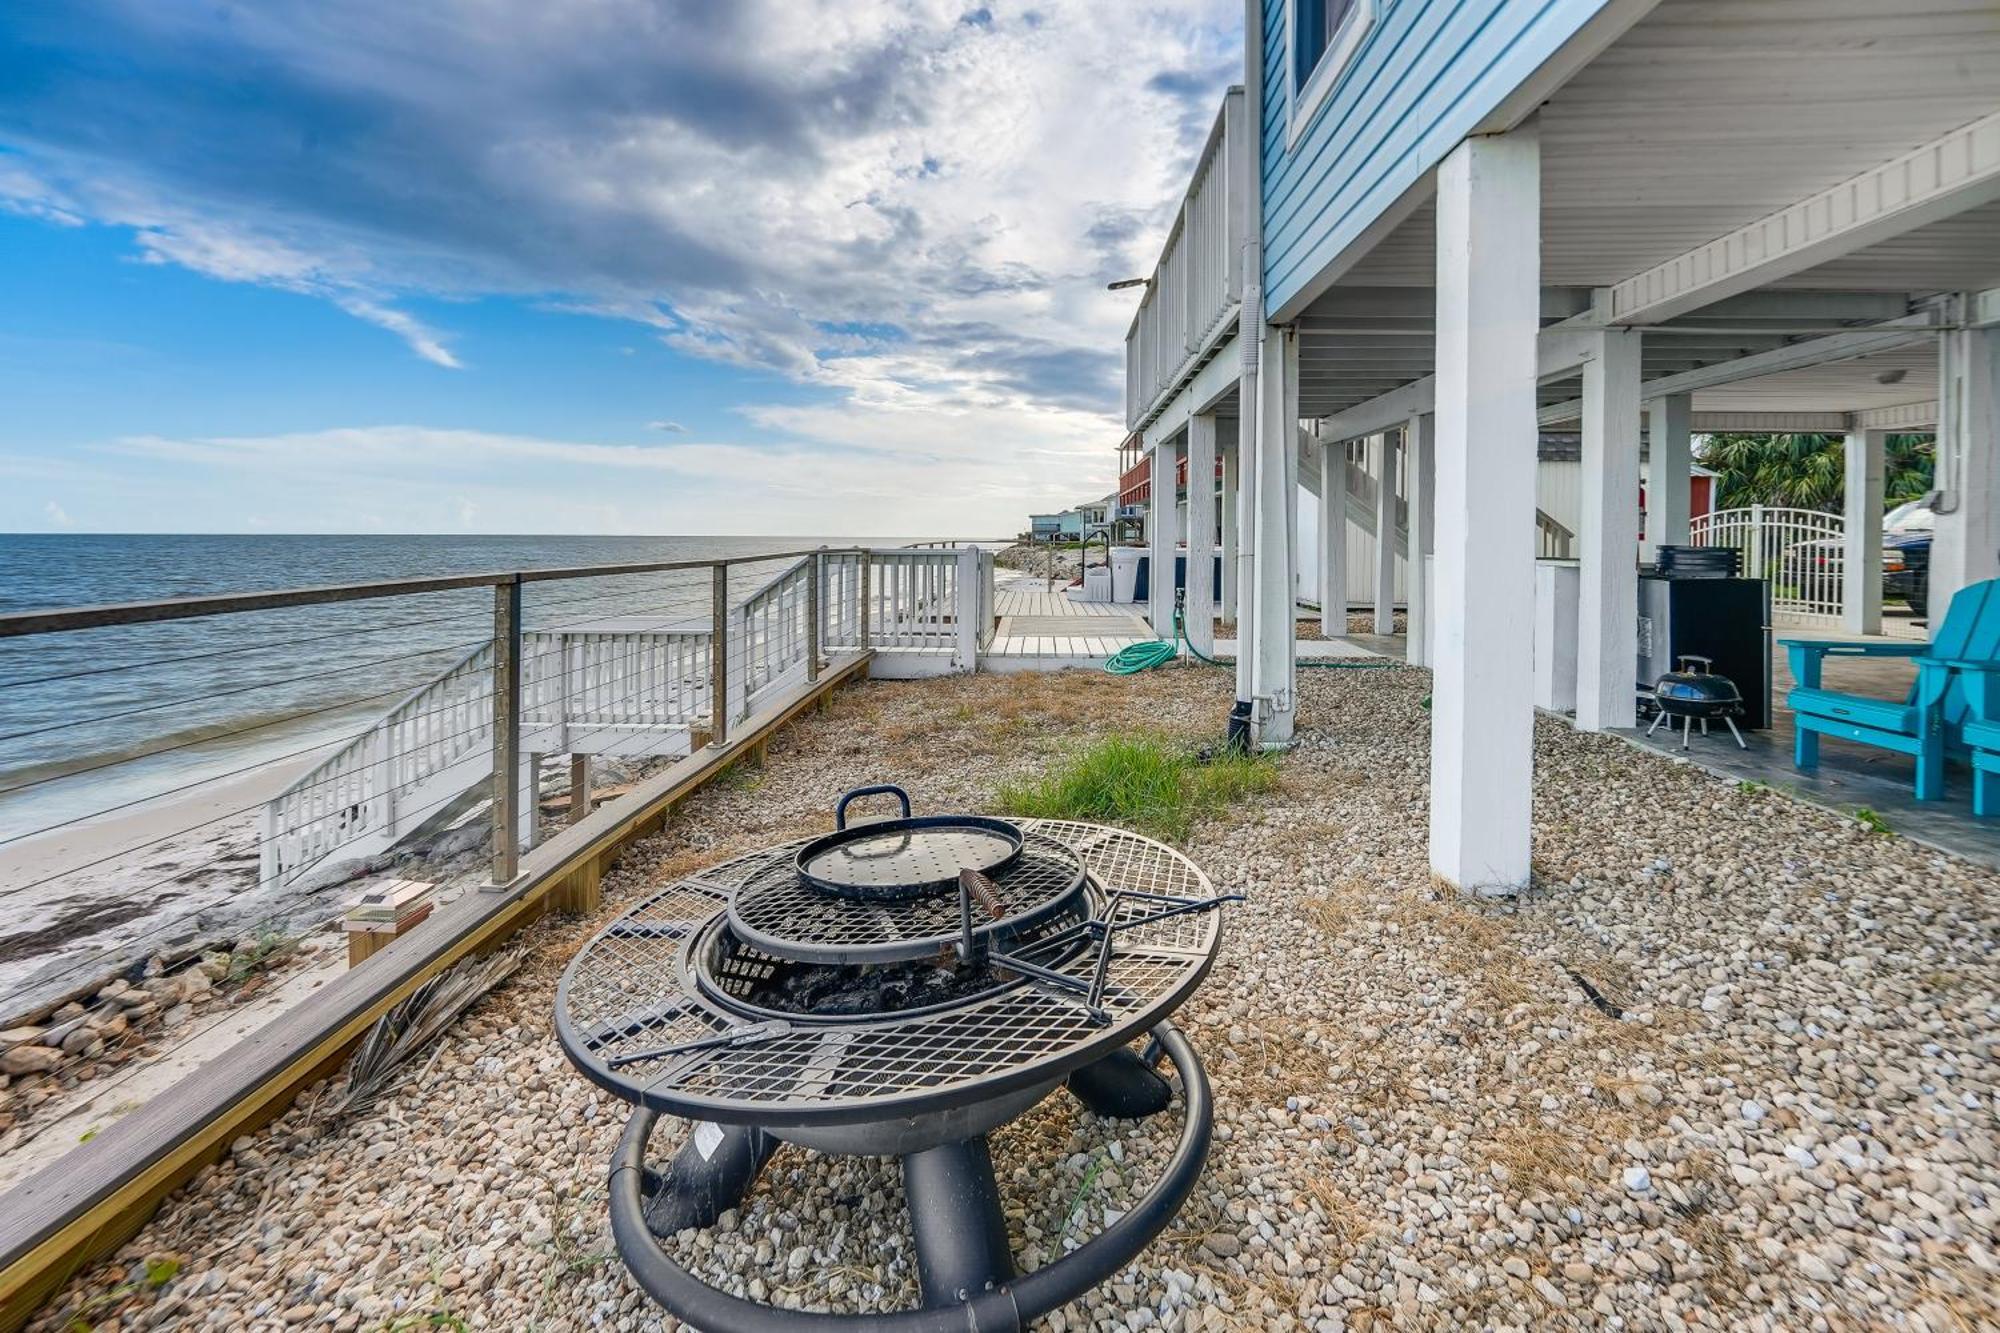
(897, 988)
(1695, 694)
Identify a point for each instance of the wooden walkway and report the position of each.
(1043, 630)
(1040, 630)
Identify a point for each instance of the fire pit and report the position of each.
(767, 1005)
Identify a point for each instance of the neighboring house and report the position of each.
(1424, 231)
(1097, 513)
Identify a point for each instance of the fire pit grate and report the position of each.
(775, 910)
(634, 990)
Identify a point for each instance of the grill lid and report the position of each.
(898, 859)
(780, 913)
(900, 862)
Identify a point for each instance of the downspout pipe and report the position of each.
(1249, 335)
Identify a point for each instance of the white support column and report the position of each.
(1165, 514)
(1245, 573)
(1669, 465)
(1272, 627)
(1861, 562)
(1488, 315)
(1420, 464)
(1201, 533)
(1966, 546)
(1607, 617)
(1333, 540)
(1229, 502)
(1383, 447)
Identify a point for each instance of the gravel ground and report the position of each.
(1729, 1065)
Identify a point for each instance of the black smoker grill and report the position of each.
(850, 1012)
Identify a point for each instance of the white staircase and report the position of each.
(601, 688)
(1552, 539)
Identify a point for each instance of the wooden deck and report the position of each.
(1043, 630)
(1040, 630)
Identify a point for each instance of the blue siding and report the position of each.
(1426, 74)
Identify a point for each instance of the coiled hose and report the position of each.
(1136, 657)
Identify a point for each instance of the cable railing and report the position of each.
(174, 838)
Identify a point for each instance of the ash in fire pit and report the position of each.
(881, 988)
(768, 1009)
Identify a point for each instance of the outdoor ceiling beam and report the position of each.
(1381, 412)
(1772, 423)
(1376, 304)
(1883, 337)
(1948, 175)
(1982, 309)
(1916, 418)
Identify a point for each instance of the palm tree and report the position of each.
(1807, 471)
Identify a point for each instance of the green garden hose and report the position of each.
(1136, 657)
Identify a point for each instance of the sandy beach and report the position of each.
(161, 875)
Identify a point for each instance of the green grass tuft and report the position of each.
(1871, 821)
(1144, 783)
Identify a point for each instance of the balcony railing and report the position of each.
(1195, 290)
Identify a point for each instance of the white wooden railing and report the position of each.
(1799, 550)
(583, 689)
(570, 680)
(1195, 291)
(1553, 541)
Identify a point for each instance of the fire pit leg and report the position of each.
(955, 1216)
(1121, 1086)
(710, 1175)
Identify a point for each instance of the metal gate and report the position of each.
(1798, 550)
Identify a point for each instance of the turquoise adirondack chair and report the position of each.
(1982, 734)
(1964, 651)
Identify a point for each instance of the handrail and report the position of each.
(16, 624)
(1557, 541)
(1195, 289)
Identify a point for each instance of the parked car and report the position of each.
(1906, 558)
(1906, 554)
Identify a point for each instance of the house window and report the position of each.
(1324, 37)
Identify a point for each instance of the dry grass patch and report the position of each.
(1538, 1156)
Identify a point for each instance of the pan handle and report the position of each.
(879, 789)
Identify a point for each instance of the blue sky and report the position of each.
(579, 265)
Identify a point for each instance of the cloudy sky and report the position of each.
(579, 265)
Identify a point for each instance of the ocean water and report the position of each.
(106, 719)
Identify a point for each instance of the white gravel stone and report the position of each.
(1422, 1120)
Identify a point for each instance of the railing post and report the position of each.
(718, 656)
(506, 730)
(967, 608)
(815, 569)
(579, 787)
(1756, 570)
(862, 587)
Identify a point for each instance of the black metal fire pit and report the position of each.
(764, 1008)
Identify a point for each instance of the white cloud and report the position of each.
(910, 209)
(57, 515)
(670, 427)
(838, 473)
(426, 344)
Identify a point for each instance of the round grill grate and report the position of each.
(902, 863)
(782, 915)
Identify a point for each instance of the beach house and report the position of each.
(1420, 234)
